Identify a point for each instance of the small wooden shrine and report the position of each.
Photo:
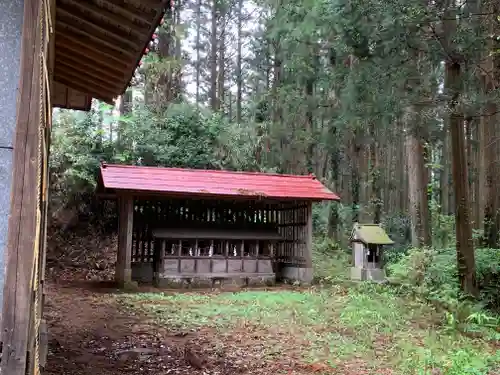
(367, 250)
(193, 226)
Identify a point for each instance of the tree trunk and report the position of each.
(363, 161)
(125, 109)
(375, 174)
(214, 103)
(356, 179)
(445, 171)
(482, 163)
(175, 91)
(221, 75)
(464, 241)
(310, 105)
(310, 127)
(333, 216)
(417, 183)
(198, 48)
(239, 78)
(161, 85)
(276, 84)
(491, 222)
(402, 175)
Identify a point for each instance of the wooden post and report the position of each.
(179, 255)
(308, 275)
(123, 273)
(257, 254)
(226, 252)
(242, 253)
(24, 230)
(196, 254)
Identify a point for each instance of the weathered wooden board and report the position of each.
(23, 301)
(219, 234)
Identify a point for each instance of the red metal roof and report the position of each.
(209, 182)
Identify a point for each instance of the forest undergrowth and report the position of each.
(335, 327)
(415, 324)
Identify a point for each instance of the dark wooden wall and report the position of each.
(293, 227)
(287, 218)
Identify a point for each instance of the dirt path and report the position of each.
(90, 333)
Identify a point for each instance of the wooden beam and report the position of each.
(121, 41)
(17, 298)
(87, 75)
(87, 39)
(123, 273)
(52, 43)
(148, 4)
(83, 89)
(92, 86)
(309, 244)
(67, 97)
(67, 57)
(106, 196)
(116, 19)
(131, 12)
(81, 49)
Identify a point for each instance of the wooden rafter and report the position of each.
(145, 4)
(100, 42)
(84, 88)
(87, 73)
(97, 33)
(118, 20)
(92, 41)
(79, 48)
(86, 80)
(89, 65)
(130, 11)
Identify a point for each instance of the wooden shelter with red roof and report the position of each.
(186, 225)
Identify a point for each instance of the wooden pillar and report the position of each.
(308, 274)
(20, 180)
(123, 273)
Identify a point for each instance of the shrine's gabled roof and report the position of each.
(370, 234)
(199, 182)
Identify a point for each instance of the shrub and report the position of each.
(488, 276)
(433, 273)
(331, 262)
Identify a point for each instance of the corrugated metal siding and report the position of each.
(208, 182)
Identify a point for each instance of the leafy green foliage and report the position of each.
(331, 262)
(178, 136)
(78, 145)
(433, 274)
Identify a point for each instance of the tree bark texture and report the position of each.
(464, 241)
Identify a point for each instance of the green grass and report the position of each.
(333, 325)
